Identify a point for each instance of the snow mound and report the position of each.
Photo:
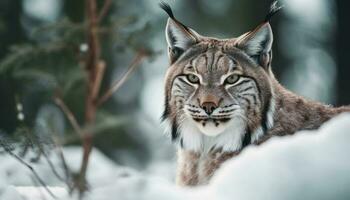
(307, 165)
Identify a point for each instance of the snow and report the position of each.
(40, 193)
(10, 193)
(307, 165)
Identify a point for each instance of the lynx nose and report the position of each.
(209, 107)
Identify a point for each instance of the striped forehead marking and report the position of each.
(220, 56)
(231, 66)
(196, 60)
(210, 62)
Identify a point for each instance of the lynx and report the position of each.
(221, 96)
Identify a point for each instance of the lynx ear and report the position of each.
(257, 44)
(179, 37)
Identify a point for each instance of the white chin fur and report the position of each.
(210, 129)
(199, 138)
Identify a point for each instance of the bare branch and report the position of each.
(42, 195)
(42, 183)
(104, 10)
(52, 166)
(66, 169)
(35, 140)
(100, 69)
(67, 178)
(118, 83)
(71, 118)
(93, 81)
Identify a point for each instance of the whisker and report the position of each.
(194, 111)
(220, 116)
(228, 110)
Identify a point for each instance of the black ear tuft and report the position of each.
(274, 8)
(167, 9)
(178, 36)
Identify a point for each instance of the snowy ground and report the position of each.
(308, 165)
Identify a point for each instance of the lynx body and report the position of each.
(221, 95)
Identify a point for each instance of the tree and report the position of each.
(65, 65)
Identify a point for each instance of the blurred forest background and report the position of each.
(43, 43)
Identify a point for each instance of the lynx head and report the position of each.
(218, 87)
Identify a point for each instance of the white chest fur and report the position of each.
(229, 140)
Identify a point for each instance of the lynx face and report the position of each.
(214, 89)
(218, 88)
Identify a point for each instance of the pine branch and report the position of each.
(117, 84)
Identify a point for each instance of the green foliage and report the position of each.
(55, 61)
(51, 61)
(55, 58)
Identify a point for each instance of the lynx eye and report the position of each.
(232, 79)
(192, 78)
